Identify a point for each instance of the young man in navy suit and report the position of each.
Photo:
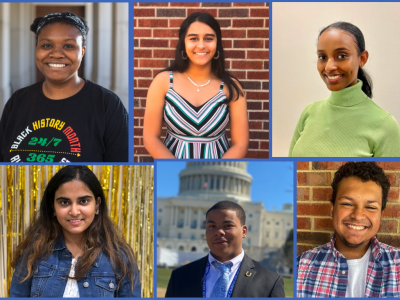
(226, 271)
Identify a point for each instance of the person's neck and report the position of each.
(350, 252)
(199, 73)
(74, 244)
(62, 90)
(223, 259)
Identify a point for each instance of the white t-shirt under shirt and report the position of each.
(357, 277)
(214, 273)
(71, 289)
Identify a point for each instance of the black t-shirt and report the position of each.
(91, 126)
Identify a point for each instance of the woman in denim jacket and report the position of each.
(73, 248)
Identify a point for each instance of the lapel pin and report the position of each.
(248, 274)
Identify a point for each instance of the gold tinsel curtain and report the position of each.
(129, 195)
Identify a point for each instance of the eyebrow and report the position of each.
(46, 39)
(196, 34)
(228, 221)
(337, 49)
(79, 198)
(351, 199)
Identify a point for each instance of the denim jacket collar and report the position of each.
(60, 245)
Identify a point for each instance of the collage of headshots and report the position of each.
(190, 149)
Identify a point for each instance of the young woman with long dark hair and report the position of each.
(73, 248)
(64, 118)
(198, 98)
(347, 123)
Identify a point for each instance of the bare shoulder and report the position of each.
(161, 82)
(162, 76)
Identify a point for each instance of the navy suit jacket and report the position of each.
(187, 281)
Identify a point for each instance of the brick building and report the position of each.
(314, 222)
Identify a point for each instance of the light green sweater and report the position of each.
(346, 124)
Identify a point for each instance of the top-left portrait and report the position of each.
(64, 82)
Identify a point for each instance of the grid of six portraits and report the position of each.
(127, 222)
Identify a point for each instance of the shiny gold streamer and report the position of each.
(129, 192)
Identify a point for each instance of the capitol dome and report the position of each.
(216, 180)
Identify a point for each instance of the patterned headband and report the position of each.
(66, 15)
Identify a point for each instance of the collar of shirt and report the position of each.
(323, 272)
(60, 245)
(374, 246)
(235, 261)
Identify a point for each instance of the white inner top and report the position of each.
(357, 277)
(214, 273)
(71, 289)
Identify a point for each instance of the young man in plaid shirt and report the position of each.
(354, 263)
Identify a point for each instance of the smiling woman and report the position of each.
(73, 248)
(197, 98)
(64, 118)
(347, 123)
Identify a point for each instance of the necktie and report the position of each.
(221, 285)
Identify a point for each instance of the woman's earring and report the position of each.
(97, 212)
(216, 57)
(183, 55)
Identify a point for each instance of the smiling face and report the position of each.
(75, 208)
(224, 234)
(338, 59)
(200, 43)
(59, 52)
(356, 215)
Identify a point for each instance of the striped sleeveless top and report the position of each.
(196, 132)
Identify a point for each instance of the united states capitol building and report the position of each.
(181, 219)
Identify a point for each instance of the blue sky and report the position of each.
(272, 181)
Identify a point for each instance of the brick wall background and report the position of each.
(245, 29)
(314, 222)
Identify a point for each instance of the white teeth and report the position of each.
(57, 65)
(356, 227)
(201, 53)
(333, 76)
(74, 221)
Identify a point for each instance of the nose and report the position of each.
(219, 232)
(200, 44)
(57, 52)
(358, 213)
(74, 210)
(330, 65)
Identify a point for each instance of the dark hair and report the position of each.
(64, 18)
(217, 65)
(101, 235)
(229, 205)
(360, 42)
(365, 171)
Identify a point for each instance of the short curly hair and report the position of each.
(365, 171)
(229, 205)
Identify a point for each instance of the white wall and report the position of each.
(295, 80)
(22, 45)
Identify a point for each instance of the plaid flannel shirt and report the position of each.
(322, 272)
